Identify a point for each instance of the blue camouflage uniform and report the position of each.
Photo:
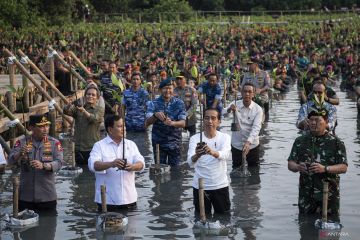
(168, 137)
(135, 103)
(212, 93)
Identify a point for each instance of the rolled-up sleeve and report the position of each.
(95, 155)
(137, 157)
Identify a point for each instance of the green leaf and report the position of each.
(11, 88)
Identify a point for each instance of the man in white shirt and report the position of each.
(209, 162)
(249, 115)
(118, 175)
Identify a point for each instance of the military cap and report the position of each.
(166, 82)
(322, 112)
(39, 120)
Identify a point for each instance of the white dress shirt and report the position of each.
(120, 184)
(250, 120)
(212, 170)
(2, 156)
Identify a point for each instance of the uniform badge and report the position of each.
(59, 147)
(17, 143)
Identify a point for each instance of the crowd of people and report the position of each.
(164, 88)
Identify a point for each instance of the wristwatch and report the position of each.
(327, 169)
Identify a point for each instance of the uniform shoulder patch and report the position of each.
(58, 146)
(17, 144)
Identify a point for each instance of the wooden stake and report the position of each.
(325, 201)
(66, 65)
(36, 84)
(10, 96)
(51, 82)
(157, 154)
(11, 117)
(16, 196)
(73, 162)
(77, 60)
(25, 97)
(103, 199)
(201, 200)
(52, 75)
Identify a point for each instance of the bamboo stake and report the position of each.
(201, 200)
(63, 62)
(16, 196)
(9, 114)
(157, 154)
(103, 199)
(52, 74)
(43, 77)
(10, 95)
(77, 60)
(25, 97)
(37, 85)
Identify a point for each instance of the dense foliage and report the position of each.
(57, 12)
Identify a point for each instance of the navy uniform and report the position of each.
(212, 93)
(37, 186)
(135, 103)
(168, 137)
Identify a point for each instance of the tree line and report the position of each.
(22, 13)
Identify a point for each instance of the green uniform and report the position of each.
(327, 150)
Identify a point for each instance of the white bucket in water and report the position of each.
(70, 170)
(24, 219)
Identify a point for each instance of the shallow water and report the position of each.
(263, 205)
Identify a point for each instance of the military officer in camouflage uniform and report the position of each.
(189, 97)
(135, 100)
(211, 90)
(261, 81)
(167, 114)
(318, 156)
(40, 157)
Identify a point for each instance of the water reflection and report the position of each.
(45, 230)
(246, 203)
(166, 202)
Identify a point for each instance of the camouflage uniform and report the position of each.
(260, 80)
(107, 88)
(135, 103)
(327, 150)
(212, 93)
(168, 137)
(189, 97)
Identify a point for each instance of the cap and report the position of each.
(322, 112)
(39, 120)
(166, 82)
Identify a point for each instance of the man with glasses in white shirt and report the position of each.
(249, 115)
(112, 170)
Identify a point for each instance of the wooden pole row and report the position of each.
(66, 65)
(43, 77)
(37, 85)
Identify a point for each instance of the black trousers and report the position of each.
(38, 206)
(117, 208)
(253, 157)
(81, 157)
(218, 199)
